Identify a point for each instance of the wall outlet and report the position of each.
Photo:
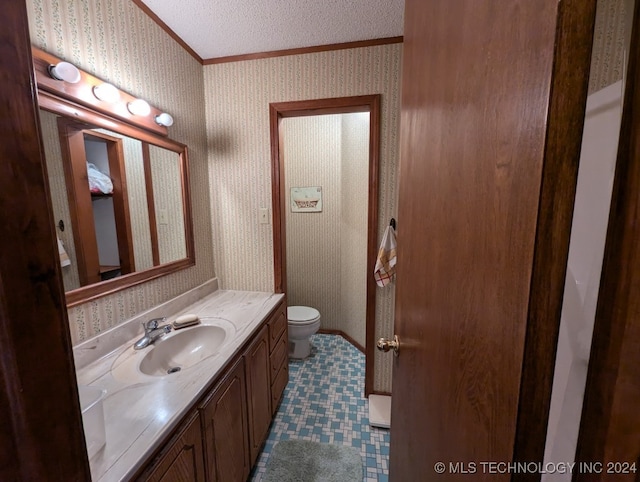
(264, 216)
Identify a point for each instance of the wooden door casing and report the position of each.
(482, 153)
(610, 417)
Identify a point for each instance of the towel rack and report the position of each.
(392, 223)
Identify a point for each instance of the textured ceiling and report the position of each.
(220, 28)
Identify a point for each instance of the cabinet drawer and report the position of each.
(277, 325)
(278, 357)
(277, 389)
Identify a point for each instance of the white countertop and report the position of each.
(141, 410)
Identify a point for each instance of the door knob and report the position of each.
(386, 345)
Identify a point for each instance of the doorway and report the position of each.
(99, 210)
(320, 107)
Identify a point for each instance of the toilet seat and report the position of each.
(302, 315)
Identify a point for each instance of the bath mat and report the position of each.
(306, 461)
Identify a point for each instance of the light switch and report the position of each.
(264, 215)
(162, 216)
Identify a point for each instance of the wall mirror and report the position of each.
(119, 192)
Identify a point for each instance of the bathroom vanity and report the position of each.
(206, 421)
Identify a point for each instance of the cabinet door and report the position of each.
(225, 429)
(277, 325)
(182, 460)
(258, 391)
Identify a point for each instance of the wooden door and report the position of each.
(225, 429)
(491, 121)
(258, 392)
(183, 459)
(40, 423)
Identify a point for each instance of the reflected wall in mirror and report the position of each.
(119, 197)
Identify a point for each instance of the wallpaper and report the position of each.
(137, 199)
(165, 167)
(610, 42)
(353, 225)
(322, 264)
(59, 199)
(311, 150)
(116, 41)
(237, 97)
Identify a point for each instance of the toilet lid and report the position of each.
(302, 313)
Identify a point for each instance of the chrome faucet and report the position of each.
(151, 333)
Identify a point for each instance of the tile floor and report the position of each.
(324, 402)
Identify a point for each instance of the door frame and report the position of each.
(339, 105)
(610, 422)
(73, 135)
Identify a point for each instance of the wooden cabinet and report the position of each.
(258, 392)
(278, 354)
(222, 440)
(224, 416)
(182, 459)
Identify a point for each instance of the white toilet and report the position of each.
(303, 322)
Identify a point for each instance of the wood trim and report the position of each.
(151, 204)
(303, 50)
(40, 441)
(79, 199)
(262, 55)
(82, 94)
(365, 103)
(277, 203)
(142, 6)
(570, 79)
(86, 118)
(325, 331)
(190, 245)
(372, 244)
(92, 118)
(610, 421)
(104, 288)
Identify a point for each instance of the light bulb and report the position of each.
(65, 71)
(106, 92)
(139, 107)
(164, 119)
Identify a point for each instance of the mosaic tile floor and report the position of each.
(324, 402)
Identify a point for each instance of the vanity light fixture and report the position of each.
(164, 119)
(65, 71)
(139, 107)
(106, 92)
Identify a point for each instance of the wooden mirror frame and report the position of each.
(73, 103)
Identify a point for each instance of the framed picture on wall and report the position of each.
(306, 199)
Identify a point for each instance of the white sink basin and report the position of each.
(182, 350)
(173, 352)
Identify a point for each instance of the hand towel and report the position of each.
(64, 257)
(385, 268)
